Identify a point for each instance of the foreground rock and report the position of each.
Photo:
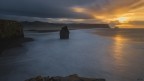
(68, 78)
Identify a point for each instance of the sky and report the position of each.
(114, 12)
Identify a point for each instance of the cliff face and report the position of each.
(74, 77)
(10, 30)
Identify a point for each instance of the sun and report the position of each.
(122, 19)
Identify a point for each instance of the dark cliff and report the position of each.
(10, 33)
(10, 30)
(74, 77)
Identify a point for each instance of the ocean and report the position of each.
(112, 54)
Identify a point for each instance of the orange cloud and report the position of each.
(114, 10)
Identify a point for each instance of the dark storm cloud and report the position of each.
(69, 10)
(42, 8)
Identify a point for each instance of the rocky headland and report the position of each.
(74, 77)
(11, 32)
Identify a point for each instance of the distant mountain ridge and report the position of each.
(47, 24)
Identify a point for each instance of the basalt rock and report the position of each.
(10, 30)
(74, 77)
(64, 33)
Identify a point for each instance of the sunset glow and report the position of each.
(115, 12)
(118, 14)
(122, 19)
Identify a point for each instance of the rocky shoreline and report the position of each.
(74, 77)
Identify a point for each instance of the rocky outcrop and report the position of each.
(10, 30)
(74, 77)
(64, 33)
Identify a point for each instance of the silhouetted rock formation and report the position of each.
(68, 78)
(10, 30)
(64, 33)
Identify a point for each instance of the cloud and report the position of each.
(108, 10)
(72, 10)
(137, 22)
(42, 8)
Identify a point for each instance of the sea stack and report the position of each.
(64, 33)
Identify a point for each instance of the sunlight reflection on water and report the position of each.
(118, 49)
